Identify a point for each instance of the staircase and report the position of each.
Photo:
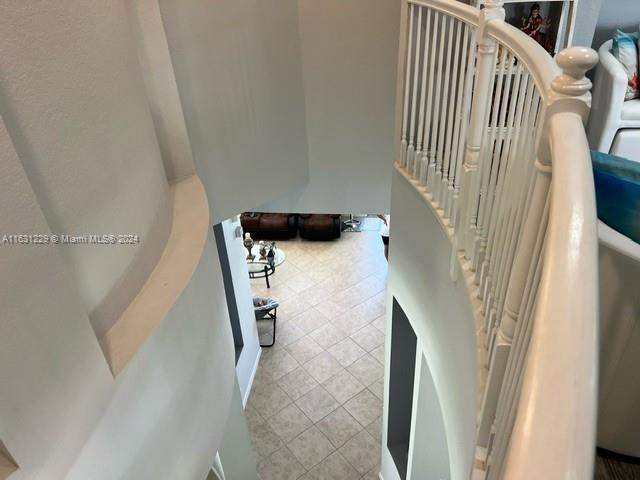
(491, 136)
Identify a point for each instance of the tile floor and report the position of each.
(316, 404)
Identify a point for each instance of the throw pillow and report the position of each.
(625, 49)
(617, 183)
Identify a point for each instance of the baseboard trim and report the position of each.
(251, 378)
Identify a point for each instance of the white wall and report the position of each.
(73, 101)
(616, 14)
(440, 314)
(238, 71)
(53, 377)
(430, 459)
(250, 355)
(79, 155)
(236, 453)
(349, 61)
(163, 415)
(161, 87)
(167, 412)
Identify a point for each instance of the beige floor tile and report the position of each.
(304, 349)
(339, 426)
(317, 403)
(365, 407)
(349, 298)
(322, 367)
(342, 386)
(371, 309)
(310, 320)
(362, 452)
(349, 322)
(346, 352)
(279, 364)
(377, 388)
(378, 354)
(380, 323)
(311, 447)
(293, 306)
(280, 292)
(287, 269)
(269, 400)
(301, 282)
(297, 383)
(373, 474)
(289, 422)
(331, 309)
(366, 369)
(368, 337)
(262, 379)
(287, 332)
(334, 467)
(280, 465)
(253, 417)
(265, 441)
(375, 428)
(328, 335)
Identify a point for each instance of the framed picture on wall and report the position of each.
(550, 23)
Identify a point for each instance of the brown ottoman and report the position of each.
(276, 226)
(319, 226)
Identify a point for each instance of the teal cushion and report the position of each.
(617, 182)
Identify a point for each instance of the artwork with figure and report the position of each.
(537, 27)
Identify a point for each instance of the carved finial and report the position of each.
(574, 62)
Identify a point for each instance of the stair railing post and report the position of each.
(569, 94)
(569, 97)
(485, 64)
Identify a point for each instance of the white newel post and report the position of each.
(493, 11)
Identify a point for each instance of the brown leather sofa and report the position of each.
(272, 226)
(319, 226)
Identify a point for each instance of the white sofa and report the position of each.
(614, 125)
(619, 402)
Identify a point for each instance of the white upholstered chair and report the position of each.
(619, 415)
(614, 125)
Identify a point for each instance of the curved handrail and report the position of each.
(523, 128)
(459, 10)
(560, 383)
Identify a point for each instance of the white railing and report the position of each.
(492, 130)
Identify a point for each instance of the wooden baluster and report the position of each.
(490, 174)
(494, 201)
(435, 161)
(467, 66)
(447, 185)
(418, 167)
(503, 203)
(428, 125)
(407, 88)
(438, 190)
(493, 11)
(414, 96)
(433, 124)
